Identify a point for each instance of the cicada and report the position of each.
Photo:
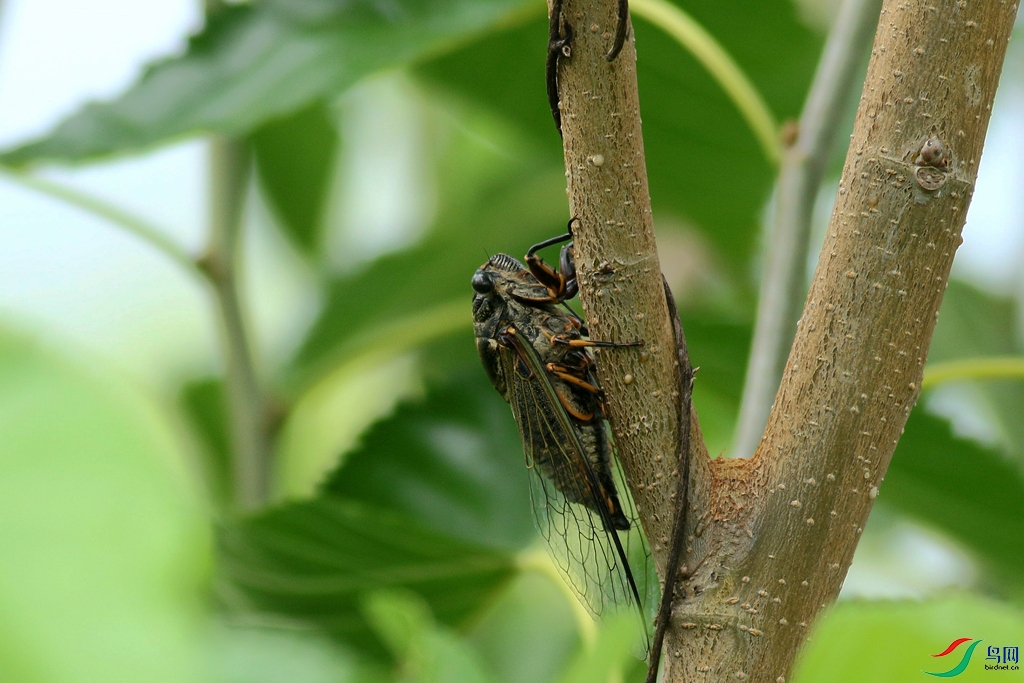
(537, 353)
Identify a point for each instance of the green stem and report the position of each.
(702, 45)
(784, 281)
(136, 225)
(246, 402)
(998, 367)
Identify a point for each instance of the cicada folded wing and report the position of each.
(536, 353)
(586, 518)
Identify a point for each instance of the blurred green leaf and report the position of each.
(256, 63)
(703, 162)
(530, 633)
(103, 539)
(975, 323)
(425, 653)
(488, 187)
(893, 641)
(609, 656)
(973, 493)
(718, 349)
(453, 462)
(330, 417)
(525, 204)
(315, 561)
(429, 503)
(295, 158)
(203, 403)
(261, 654)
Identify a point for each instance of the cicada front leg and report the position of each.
(560, 284)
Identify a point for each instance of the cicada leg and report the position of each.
(567, 376)
(558, 46)
(583, 343)
(620, 31)
(571, 408)
(554, 282)
(561, 284)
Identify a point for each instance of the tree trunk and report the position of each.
(773, 536)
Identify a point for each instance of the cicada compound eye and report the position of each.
(483, 282)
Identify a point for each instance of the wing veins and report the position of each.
(536, 421)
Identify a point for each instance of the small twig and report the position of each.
(130, 222)
(998, 367)
(682, 495)
(783, 285)
(247, 407)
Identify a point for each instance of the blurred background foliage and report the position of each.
(394, 146)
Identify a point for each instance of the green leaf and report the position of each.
(331, 417)
(895, 641)
(425, 652)
(488, 187)
(262, 654)
(203, 404)
(526, 204)
(975, 323)
(703, 162)
(295, 158)
(718, 348)
(973, 493)
(253, 64)
(453, 462)
(103, 538)
(435, 501)
(315, 561)
(530, 633)
(609, 656)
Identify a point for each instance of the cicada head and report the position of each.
(492, 285)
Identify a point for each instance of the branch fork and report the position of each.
(774, 535)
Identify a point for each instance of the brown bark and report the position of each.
(617, 259)
(775, 535)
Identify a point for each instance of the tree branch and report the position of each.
(616, 259)
(782, 527)
(128, 221)
(783, 285)
(772, 537)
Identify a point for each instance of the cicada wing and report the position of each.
(567, 500)
(638, 553)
